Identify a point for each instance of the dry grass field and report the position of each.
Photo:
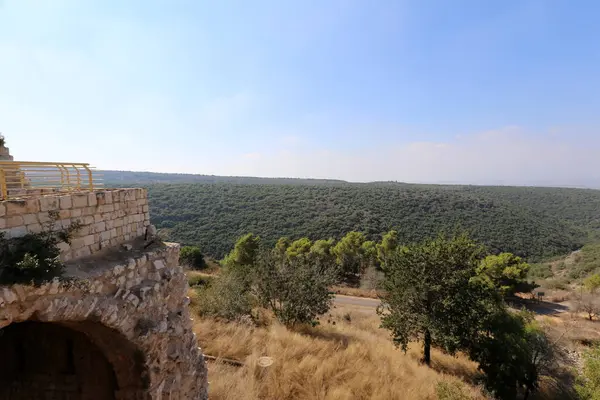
(346, 357)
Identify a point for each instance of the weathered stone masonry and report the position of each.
(108, 217)
(121, 330)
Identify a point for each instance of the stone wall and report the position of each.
(107, 217)
(132, 305)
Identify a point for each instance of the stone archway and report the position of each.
(69, 361)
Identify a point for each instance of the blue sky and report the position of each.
(463, 91)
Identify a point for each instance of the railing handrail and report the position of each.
(3, 162)
(21, 178)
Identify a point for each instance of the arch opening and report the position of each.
(74, 361)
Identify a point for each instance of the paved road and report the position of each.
(356, 301)
(543, 308)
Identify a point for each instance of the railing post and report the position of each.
(90, 180)
(3, 183)
(78, 176)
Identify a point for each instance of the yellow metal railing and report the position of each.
(22, 178)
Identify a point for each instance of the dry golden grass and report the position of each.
(352, 359)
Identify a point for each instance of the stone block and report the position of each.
(104, 236)
(63, 247)
(66, 203)
(110, 224)
(88, 220)
(95, 247)
(64, 214)
(129, 195)
(100, 227)
(109, 208)
(14, 221)
(92, 201)
(2, 210)
(64, 223)
(77, 243)
(76, 212)
(32, 206)
(2, 223)
(82, 252)
(117, 223)
(98, 218)
(17, 231)
(15, 207)
(89, 210)
(117, 206)
(89, 240)
(113, 233)
(108, 197)
(48, 203)
(29, 219)
(100, 198)
(80, 200)
(34, 228)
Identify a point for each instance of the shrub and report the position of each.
(192, 257)
(35, 257)
(451, 391)
(588, 385)
(225, 297)
(199, 279)
(557, 284)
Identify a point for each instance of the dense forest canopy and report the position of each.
(212, 212)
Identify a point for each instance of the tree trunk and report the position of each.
(427, 348)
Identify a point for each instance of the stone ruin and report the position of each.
(120, 329)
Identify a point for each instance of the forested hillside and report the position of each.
(120, 178)
(213, 211)
(213, 216)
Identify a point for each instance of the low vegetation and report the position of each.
(35, 257)
(346, 356)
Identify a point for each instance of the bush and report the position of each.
(557, 284)
(588, 385)
(35, 257)
(199, 279)
(225, 297)
(540, 271)
(513, 353)
(191, 257)
(295, 289)
(451, 391)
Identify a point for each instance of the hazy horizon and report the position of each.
(470, 92)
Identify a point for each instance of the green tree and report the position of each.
(506, 272)
(244, 252)
(349, 256)
(298, 247)
(387, 247)
(369, 255)
(296, 289)
(510, 351)
(323, 250)
(281, 246)
(588, 384)
(192, 257)
(592, 283)
(430, 294)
